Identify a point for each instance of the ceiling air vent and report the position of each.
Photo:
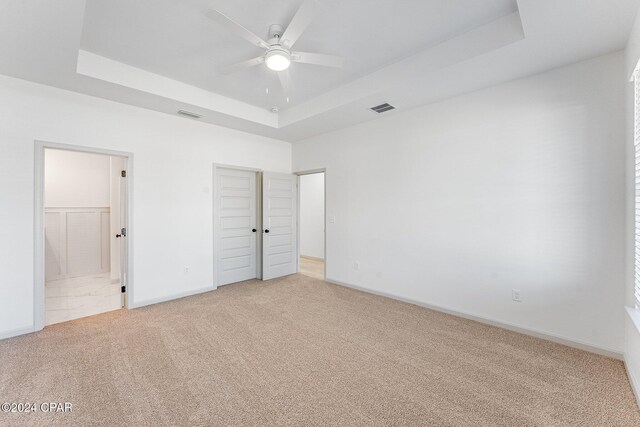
(189, 114)
(382, 108)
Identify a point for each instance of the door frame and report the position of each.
(312, 172)
(39, 239)
(216, 213)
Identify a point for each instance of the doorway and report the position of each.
(312, 225)
(82, 199)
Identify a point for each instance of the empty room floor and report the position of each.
(69, 299)
(299, 351)
(312, 267)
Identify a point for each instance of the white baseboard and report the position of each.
(15, 332)
(615, 354)
(138, 304)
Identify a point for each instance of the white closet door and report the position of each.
(236, 234)
(279, 222)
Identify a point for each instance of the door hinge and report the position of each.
(123, 289)
(123, 174)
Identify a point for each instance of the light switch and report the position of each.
(332, 219)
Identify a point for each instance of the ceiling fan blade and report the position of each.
(285, 81)
(236, 28)
(301, 20)
(317, 59)
(242, 65)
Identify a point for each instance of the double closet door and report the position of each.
(255, 225)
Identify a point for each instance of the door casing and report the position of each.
(39, 240)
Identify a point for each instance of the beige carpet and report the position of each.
(298, 351)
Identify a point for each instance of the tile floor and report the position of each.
(69, 299)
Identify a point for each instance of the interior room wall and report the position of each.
(76, 180)
(172, 219)
(632, 324)
(518, 186)
(312, 215)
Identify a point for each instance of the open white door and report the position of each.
(279, 222)
(235, 228)
(124, 256)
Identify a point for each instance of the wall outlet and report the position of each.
(332, 219)
(186, 269)
(356, 265)
(515, 295)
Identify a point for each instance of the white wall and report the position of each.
(517, 186)
(172, 178)
(76, 180)
(632, 324)
(312, 215)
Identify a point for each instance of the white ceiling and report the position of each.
(163, 54)
(176, 39)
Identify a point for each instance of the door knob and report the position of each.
(253, 230)
(266, 231)
(118, 235)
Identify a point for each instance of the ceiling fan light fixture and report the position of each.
(277, 59)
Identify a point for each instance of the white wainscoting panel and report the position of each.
(77, 242)
(53, 254)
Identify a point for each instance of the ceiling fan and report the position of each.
(279, 56)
